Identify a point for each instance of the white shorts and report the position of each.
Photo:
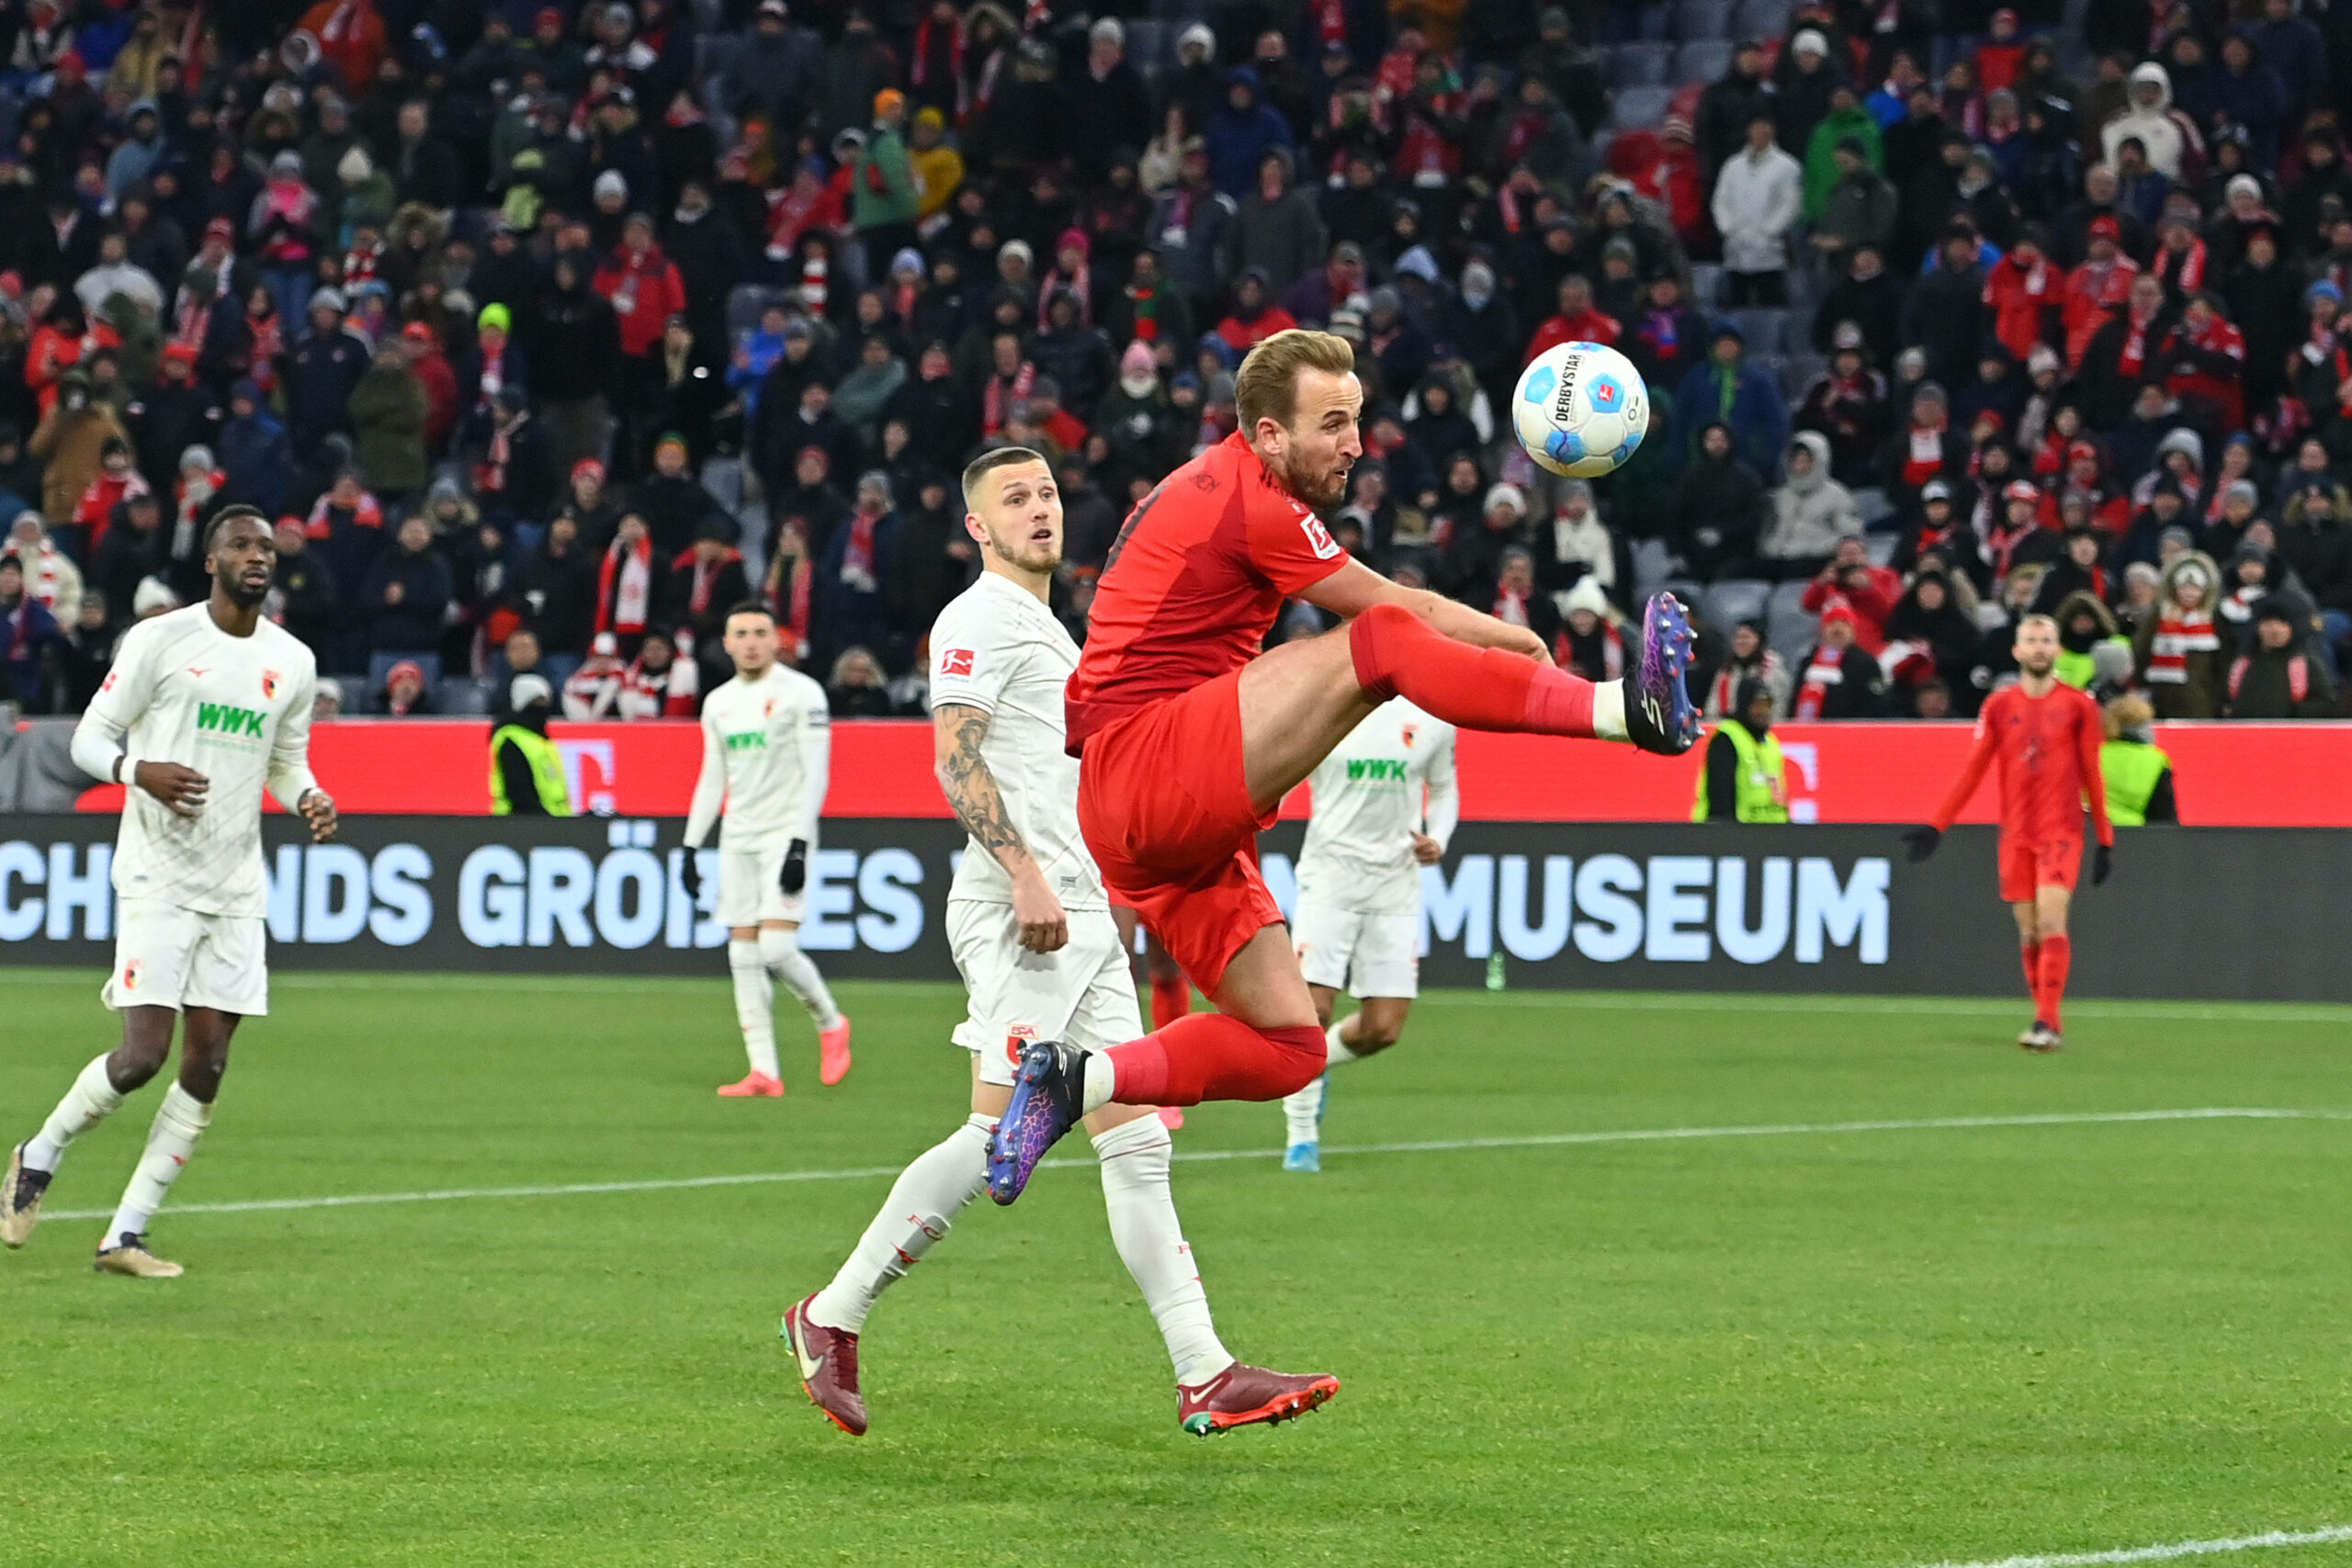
(1082, 996)
(1362, 954)
(749, 893)
(166, 956)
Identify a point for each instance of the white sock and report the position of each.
(923, 1202)
(1102, 1081)
(1303, 1112)
(754, 1005)
(179, 1121)
(780, 951)
(1145, 1229)
(1335, 1045)
(1609, 710)
(91, 1100)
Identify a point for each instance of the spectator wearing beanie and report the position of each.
(576, 358)
(389, 410)
(2181, 653)
(1838, 679)
(1927, 448)
(2277, 676)
(1717, 508)
(1728, 390)
(1276, 228)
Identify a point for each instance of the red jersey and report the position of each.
(2049, 752)
(1193, 583)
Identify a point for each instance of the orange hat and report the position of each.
(888, 101)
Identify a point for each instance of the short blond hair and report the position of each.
(2127, 712)
(1267, 387)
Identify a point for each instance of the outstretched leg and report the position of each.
(97, 1093)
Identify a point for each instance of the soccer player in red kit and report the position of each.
(1189, 737)
(2047, 738)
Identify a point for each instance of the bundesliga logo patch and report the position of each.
(956, 661)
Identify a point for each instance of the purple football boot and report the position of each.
(1659, 714)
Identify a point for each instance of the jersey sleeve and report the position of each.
(290, 749)
(816, 760)
(969, 668)
(2090, 731)
(1289, 546)
(122, 698)
(1443, 812)
(710, 783)
(1988, 740)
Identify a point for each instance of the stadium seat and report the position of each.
(1882, 547)
(1872, 502)
(1767, 329)
(1641, 64)
(1602, 140)
(1704, 60)
(1706, 284)
(1639, 109)
(1684, 589)
(1762, 19)
(723, 477)
(1733, 599)
(1696, 19)
(462, 696)
(1802, 370)
(744, 303)
(1656, 20)
(1653, 564)
(1148, 43)
(1786, 599)
(1791, 637)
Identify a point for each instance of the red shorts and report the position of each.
(1164, 806)
(2027, 864)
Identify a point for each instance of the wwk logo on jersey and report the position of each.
(748, 740)
(956, 661)
(219, 718)
(1319, 537)
(1376, 770)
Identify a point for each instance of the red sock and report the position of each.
(2057, 954)
(1209, 1055)
(2032, 952)
(1400, 655)
(1171, 999)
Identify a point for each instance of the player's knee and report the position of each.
(1375, 1035)
(1300, 1054)
(136, 1061)
(200, 1074)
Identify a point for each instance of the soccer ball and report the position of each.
(1580, 409)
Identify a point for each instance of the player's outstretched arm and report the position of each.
(1355, 588)
(972, 794)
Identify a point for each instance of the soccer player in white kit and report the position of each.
(1032, 931)
(767, 754)
(205, 707)
(1385, 805)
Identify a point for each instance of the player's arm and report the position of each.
(291, 783)
(98, 747)
(2088, 733)
(1442, 807)
(814, 732)
(1923, 841)
(702, 811)
(958, 731)
(1355, 588)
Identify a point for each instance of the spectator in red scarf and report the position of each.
(2124, 355)
(625, 585)
(704, 581)
(2206, 358)
(1840, 677)
(2086, 476)
(1664, 337)
(853, 604)
(2100, 283)
(2180, 262)
(1926, 448)
(2024, 292)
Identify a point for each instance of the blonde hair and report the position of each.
(1267, 387)
(2127, 712)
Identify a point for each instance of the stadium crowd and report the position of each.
(549, 331)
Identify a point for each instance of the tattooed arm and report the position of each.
(972, 794)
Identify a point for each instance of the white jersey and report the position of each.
(1369, 802)
(996, 648)
(767, 753)
(236, 709)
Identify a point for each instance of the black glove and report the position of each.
(690, 875)
(2102, 864)
(794, 876)
(1921, 842)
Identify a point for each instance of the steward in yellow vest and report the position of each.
(1743, 779)
(526, 770)
(2137, 773)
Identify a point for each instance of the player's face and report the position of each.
(1320, 445)
(751, 642)
(2037, 648)
(1018, 516)
(243, 560)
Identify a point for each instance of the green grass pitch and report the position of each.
(1802, 1349)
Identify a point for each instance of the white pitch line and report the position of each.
(1440, 1145)
(2333, 1533)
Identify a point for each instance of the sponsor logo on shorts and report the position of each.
(956, 661)
(130, 975)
